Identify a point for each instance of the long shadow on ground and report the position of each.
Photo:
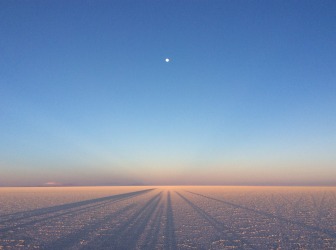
(170, 238)
(328, 232)
(19, 220)
(126, 236)
(153, 233)
(74, 239)
(225, 233)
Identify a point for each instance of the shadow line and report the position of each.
(74, 238)
(330, 233)
(153, 234)
(170, 238)
(126, 236)
(318, 205)
(231, 236)
(60, 208)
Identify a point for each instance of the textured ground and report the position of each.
(168, 218)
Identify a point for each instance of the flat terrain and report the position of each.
(168, 218)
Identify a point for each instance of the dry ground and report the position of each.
(168, 218)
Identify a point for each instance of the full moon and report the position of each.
(167, 60)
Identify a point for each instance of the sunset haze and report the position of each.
(247, 97)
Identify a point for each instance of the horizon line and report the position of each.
(206, 185)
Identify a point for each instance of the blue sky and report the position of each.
(249, 96)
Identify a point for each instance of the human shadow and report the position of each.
(153, 233)
(170, 238)
(319, 207)
(75, 238)
(45, 214)
(126, 235)
(281, 226)
(318, 229)
(226, 233)
(333, 194)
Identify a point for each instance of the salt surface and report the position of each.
(168, 218)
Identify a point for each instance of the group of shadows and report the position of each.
(123, 236)
(154, 216)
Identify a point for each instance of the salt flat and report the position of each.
(168, 218)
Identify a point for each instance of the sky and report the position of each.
(247, 98)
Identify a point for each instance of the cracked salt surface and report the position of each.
(168, 218)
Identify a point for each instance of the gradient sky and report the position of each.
(249, 96)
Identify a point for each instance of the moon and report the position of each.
(167, 59)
